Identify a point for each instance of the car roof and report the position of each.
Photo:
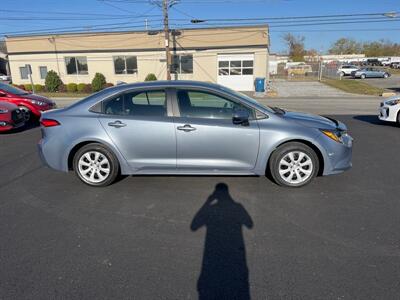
(169, 83)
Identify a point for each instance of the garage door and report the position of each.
(236, 71)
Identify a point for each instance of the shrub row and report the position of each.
(70, 88)
(53, 83)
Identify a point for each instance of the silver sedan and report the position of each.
(189, 128)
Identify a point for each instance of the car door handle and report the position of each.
(186, 128)
(117, 124)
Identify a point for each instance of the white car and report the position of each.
(390, 110)
(346, 70)
(4, 77)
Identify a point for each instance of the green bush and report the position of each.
(81, 87)
(151, 77)
(39, 87)
(28, 87)
(53, 82)
(72, 88)
(98, 82)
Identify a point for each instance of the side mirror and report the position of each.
(241, 117)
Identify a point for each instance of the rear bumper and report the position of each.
(41, 155)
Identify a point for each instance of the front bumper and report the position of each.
(388, 113)
(338, 156)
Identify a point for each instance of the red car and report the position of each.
(10, 116)
(32, 105)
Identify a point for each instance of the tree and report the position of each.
(53, 82)
(151, 77)
(98, 82)
(381, 48)
(295, 46)
(346, 46)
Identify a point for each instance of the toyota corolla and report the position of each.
(189, 128)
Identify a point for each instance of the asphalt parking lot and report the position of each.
(158, 237)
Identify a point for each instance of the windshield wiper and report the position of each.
(278, 110)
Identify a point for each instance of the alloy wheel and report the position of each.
(94, 167)
(295, 167)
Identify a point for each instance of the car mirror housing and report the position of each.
(241, 117)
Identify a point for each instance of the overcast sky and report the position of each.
(27, 15)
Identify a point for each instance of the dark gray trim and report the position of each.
(138, 50)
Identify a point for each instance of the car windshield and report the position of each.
(11, 89)
(249, 99)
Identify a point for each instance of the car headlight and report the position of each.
(37, 102)
(336, 134)
(3, 111)
(393, 102)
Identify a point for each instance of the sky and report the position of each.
(21, 16)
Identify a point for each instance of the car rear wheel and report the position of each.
(293, 165)
(342, 74)
(386, 75)
(398, 118)
(95, 165)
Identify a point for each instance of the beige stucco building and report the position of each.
(232, 56)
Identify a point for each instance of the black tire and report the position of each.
(363, 76)
(281, 152)
(27, 113)
(342, 74)
(398, 119)
(386, 75)
(112, 161)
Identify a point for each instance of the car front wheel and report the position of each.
(27, 113)
(95, 165)
(293, 165)
(363, 76)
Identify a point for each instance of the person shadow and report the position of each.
(224, 273)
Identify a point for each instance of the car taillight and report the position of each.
(49, 123)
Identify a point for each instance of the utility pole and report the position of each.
(166, 31)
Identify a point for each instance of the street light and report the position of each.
(392, 14)
(196, 21)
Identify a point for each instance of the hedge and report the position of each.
(72, 87)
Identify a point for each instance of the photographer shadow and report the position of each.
(224, 273)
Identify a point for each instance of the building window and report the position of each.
(235, 67)
(182, 64)
(43, 72)
(125, 64)
(24, 72)
(76, 65)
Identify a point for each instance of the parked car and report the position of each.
(301, 69)
(373, 62)
(389, 110)
(32, 105)
(4, 77)
(370, 73)
(346, 70)
(190, 128)
(11, 116)
(395, 65)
